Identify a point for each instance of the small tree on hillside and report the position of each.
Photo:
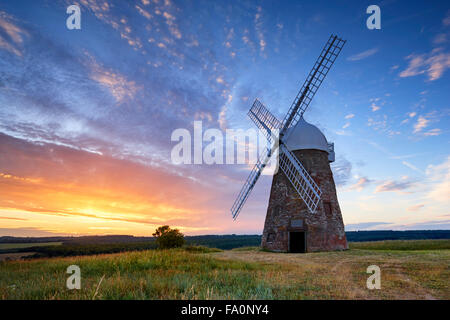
(168, 238)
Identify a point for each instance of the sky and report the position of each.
(86, 116)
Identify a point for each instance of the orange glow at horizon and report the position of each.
(61, 190)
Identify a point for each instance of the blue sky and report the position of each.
(86, 115)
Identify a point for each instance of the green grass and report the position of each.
(4, 246)
(202, 273)
(152, 274)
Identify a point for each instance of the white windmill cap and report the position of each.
(305, 136)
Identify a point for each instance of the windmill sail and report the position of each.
(264, 120)
(250, 183)
(300, 179)
(315, 78)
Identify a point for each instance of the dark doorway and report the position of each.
(297, 242)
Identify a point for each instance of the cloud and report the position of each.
(143, 12)
(395, 67)
(173, 27)
(416, 207)
(342, 133)
(412, 167)
(379, 125)
(421, 124)
(258, 29)
(220, 80)
(349, 116)
(374, 107)
(433, 132)
(434, 64)
(439, 175)
(29, 232)
(364, 226)
(425, 225)
(396, 186)
(106, 14)
(363, 55)
(446, 20)
(118, 85)
(342, 170)
(11, 35)
(404, 121)
(346, 125)
(360, 184)
(13, 218)
(440, 39)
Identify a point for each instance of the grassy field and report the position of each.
(4, 246)
(247, 273)
(402, 245)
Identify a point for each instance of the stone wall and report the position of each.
(287, 212)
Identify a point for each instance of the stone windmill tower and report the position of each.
(303, 214)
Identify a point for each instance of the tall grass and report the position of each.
(153, 274)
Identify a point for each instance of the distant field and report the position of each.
(402, 245)
(246, 273)
(4, 246)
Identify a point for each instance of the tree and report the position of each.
(168, 238)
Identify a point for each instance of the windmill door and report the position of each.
(297, 242)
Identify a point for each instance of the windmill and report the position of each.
(303, 214)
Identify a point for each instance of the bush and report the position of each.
(167, 238)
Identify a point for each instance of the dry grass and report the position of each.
(414, 274)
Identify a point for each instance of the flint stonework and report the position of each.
(286, 212)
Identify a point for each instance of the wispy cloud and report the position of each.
(433, 132)
(397, 186)
(13, 36)
(258, 29)
(440, 39)
(434, 64)
(363, 55)
(13, 218)
(439, 175)
(446, 20)
(360, 184)
(376, 104)
(349, 116)
(411, 166)
(416, 207)
(421, 124)
(364, 226)
(342, 171)
(374, 107)
(118, 85)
